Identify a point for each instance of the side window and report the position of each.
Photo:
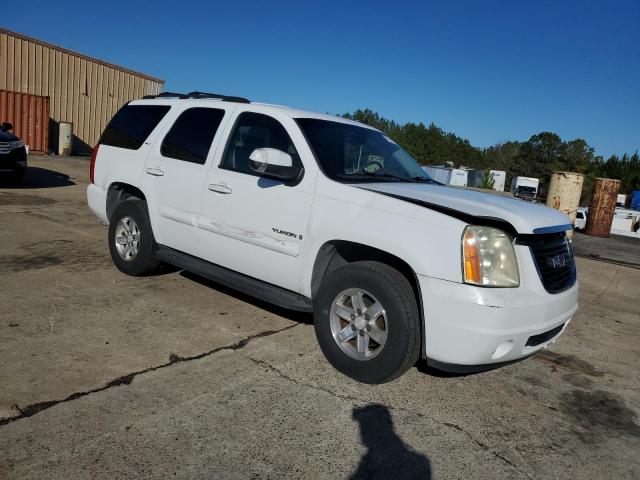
(191, 135)
(251, 131)
(132, 124)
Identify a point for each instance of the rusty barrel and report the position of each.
(602, 207)
(565, 189)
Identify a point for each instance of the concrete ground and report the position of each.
(613, 249)
(108, 376)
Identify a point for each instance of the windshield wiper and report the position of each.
(427, 180)
(418, 179)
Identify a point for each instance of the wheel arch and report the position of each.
(334, 254)
(119, 192)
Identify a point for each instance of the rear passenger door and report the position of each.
(175, 172)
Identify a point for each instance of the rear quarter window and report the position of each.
(131, 126)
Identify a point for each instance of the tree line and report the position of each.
(538, 156)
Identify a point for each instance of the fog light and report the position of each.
(502, 349)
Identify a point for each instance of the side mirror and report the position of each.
(273, 163)
(6, 126)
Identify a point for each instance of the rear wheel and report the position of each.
(367, 322)
(131, 243)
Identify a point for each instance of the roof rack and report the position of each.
(183, 96)
(167, 95)
(225, 98)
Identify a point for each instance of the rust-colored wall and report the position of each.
(29, 115)
(602, 207)
(83, 91)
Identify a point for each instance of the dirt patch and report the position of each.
(20, 199)
(578, 380)
(17, 263)
(599, 413)
(73, 255)
(567, 362)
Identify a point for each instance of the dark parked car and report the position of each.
(13, 155)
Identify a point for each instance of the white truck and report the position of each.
(525, 188)
(322, 214)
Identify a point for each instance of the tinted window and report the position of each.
(192, 134)
(579, 215)
(251, 131)
(131, 126)
(350, 153)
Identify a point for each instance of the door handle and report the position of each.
(219, 188)
(156, 172)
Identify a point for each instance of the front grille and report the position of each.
(4, 148)
(553, 256)
(544, 336)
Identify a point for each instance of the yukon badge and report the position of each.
(288, 234)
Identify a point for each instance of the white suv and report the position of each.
(322, 214)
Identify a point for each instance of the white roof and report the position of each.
(292, 112)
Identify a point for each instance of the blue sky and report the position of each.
(488, 71)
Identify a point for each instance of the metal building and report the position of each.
(82, 91)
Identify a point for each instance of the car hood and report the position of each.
(7, 137)
(470, 205)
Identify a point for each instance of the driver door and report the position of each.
(252, 224)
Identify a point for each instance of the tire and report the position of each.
(133, 213)
(378, 283)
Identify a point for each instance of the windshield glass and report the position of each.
(348, 153)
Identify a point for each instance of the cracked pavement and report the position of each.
(106, 376)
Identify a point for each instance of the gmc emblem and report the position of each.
(558, 261)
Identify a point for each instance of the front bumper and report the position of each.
(13, 161)
(469, 325)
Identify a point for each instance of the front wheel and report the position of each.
(131, 243)
(367, 322)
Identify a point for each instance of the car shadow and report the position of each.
(300, 317)
(36, 177)
(423, 367)
(387, 456)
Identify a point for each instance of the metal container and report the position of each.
(635, 200)
(602, 207)
(499, 179)
(447, 175)
(564, 193)
(475, 178)
(439, 174)
(29, 115)
(65, 138)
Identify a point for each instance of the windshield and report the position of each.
(348, 153)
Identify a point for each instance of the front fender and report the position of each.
(428, 241)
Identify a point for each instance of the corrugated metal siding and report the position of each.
(82, 90)
(29, 115)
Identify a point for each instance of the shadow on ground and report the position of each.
(387, 457)
(37, 177)
(300, 317)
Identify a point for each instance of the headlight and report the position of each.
(488, 258)
(15, 144)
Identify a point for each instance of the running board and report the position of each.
(251, 286)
